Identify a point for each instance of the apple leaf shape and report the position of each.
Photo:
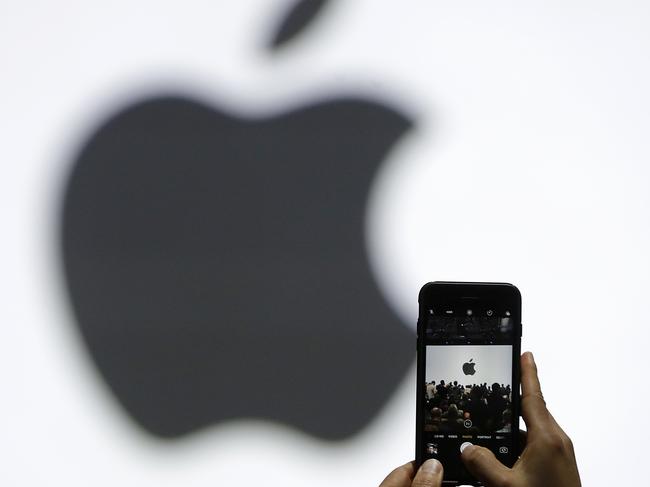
(217, 270)
(299, 16)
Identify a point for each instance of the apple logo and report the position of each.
(468, 367)
(216, 265)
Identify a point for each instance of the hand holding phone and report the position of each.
(548, 458)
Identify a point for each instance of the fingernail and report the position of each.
(465, 446)
(432, 466)
(532, 359)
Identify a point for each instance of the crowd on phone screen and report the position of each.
(450, 405)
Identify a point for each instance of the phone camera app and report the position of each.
(468, 390)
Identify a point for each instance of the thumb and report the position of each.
(429, 474)
(483, 465)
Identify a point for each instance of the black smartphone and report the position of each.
(468, 372)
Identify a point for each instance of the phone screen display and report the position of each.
(469, 388)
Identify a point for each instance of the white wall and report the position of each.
(493, 364)
(532, 124)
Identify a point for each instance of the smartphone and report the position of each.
(468, 372)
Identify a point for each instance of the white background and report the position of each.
(529, 164)
(493, 364)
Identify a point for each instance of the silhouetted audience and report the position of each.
(449, 405)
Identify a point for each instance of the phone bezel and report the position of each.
(454, 293)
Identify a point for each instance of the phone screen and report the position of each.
(469, 387)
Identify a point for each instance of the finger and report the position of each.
(533, 406)
(400, 477)
(429, 474)
(482, 463)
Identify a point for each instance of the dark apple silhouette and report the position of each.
(216, 264)
(217, 269)
(468, 367)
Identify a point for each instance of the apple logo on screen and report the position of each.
(468, 367)
(216, 263)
